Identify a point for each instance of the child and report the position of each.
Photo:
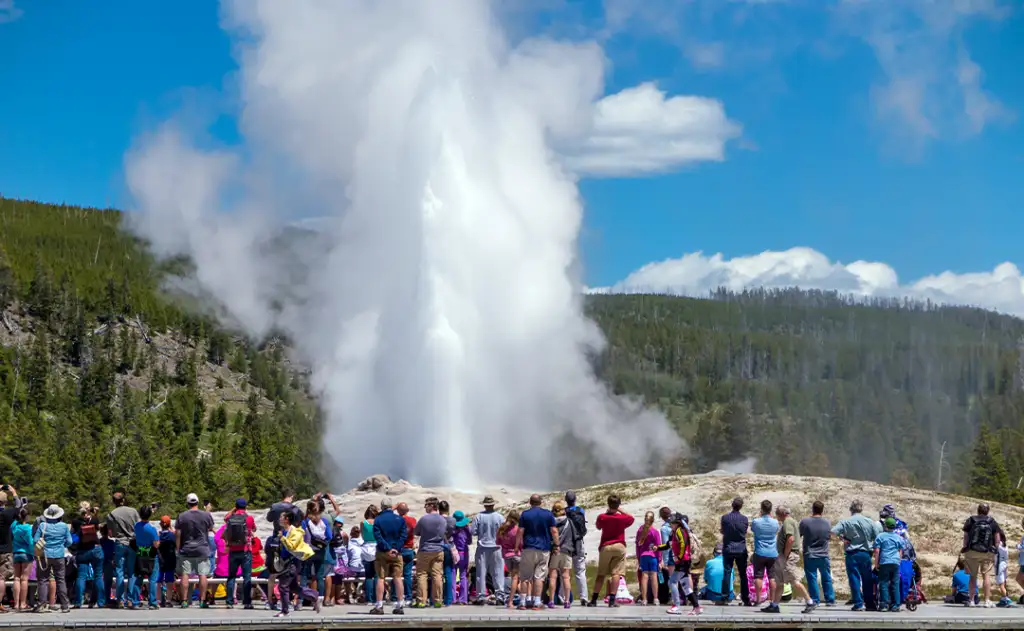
(961, 583)
(888, 553)
(355, 566)
(168, 560)
(339, 550)
(462, 537)
(648, 540)
(507, 534)
(1002, 561)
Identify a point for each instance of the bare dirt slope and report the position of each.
(934, 519)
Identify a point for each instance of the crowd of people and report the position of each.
(528, 560)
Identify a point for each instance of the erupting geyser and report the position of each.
(438, 305)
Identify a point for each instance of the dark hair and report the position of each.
(22, 515)
(766, 506)
(983, 509)
(118, 498)
(614, 502)
(443, 506)
(354, 532)
(818, 508)
(371, 512)
(430, 502)
(737, 503)
(146, 512)
(290, 516)
(312, 507)
(287, 493)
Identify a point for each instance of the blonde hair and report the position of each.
(511, 521)
(558, 509)
(83, 507)
(648, 524)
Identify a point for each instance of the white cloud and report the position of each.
(641, 130)
(1001, 289)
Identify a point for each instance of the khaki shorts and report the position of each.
(6, 566)
(611, 560)
(387, 565)
(561, 561)
(199, 566)
(534, 564)
(979, 563)
(787, 571)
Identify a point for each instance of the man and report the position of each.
(787, 568)
(273, 546)
(714, 571)
(858, 534)
(664, 595)
(121, 528)
(488, 554)
(536, 540)
(408, 549)
(8, 515)
(814, 534)
(980, 533)
(238, 533)
(390, 531)
(765, 529)
(193, 548)
(431, 529)
(611, 560)
(579, 562)
(734, 528)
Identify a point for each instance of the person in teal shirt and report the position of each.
(714, 572)
(888, 549)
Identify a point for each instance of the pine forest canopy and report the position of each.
(807, 382)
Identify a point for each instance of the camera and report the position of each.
(155, 505)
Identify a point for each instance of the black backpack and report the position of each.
(579, 522)
(237, 533)
(981, 535)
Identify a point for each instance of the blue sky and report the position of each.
(872, 131)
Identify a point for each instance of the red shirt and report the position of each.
(250, 524)
(613, 528)
(410, 521)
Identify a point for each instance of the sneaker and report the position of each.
(249, 606)
(377, 611)
(282, 614)
(675, 611)
(206, 605)
(696, 611)
(154, 607)
(65, 609)
(317, 604)
(809, 608)
(590, 603)
(398, 611)
(567, 604)
(831, 604)
(583, 601)
(770, 609)
(419, 605)
(988, 604)
(185, 605)
(895, 609)
(551, 604)
(229, 606)
(857, 608)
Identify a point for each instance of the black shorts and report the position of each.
(762, 565)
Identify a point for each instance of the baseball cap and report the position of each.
(192, 499)
(240, 503)
(890, 522)
(339, 520)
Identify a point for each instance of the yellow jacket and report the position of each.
(294, 541)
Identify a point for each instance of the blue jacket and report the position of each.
(390, 531)
(57, 536)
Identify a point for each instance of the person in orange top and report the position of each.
(611, 562)
(408, 548)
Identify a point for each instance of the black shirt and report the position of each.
(8, 516)
(76, 529)
(734, 533)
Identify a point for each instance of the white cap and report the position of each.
(192, 499)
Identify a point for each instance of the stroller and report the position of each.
(911, 594)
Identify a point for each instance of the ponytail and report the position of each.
(648, 524)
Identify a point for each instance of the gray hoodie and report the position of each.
(485, 529)
(567, 543)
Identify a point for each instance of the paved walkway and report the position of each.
(926, 617)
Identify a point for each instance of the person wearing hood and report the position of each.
(561, 563)
(462, 537)
(56, 538)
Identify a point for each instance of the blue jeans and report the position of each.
(862, 583)
(408, 556)
(240, 560)
(888, 585)
(370, 584)
(154, 588)
(813, 567)
(90, 566)
(124, 571)
(449, 577)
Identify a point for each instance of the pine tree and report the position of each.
(8, 285)
(989, 479)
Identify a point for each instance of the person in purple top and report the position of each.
(462, 537)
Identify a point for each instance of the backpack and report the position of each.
(981, 534)
(237, 532)
(696, 549)
(88, 534)
(579, 522)
(316, 542)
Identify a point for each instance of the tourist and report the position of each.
(356, 565)
(560, 564)
(239, 532)
(979, 549)
(714, 570)
(682, 556)
(147, 563)
(888, 548)
(787, 566)
(578, 517)
(56, 538)
(318, 536)
(508, 537)
(273, 542)
(1002, 561)
(489, 562)
(858, 534)
(444, 509)
(168, 559)
(814, 536)
(765, 529)
(22, 550)
(88, 555)
(294, 550)
(537, 539)
(462, 538)
(431, 530)
(734, 526)
(648, 544)
(408, 550)
(192, 546)
(8, 517)
(390, 531)
(121, 530)
(611, 562)
(665, 562)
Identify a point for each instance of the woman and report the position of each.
(89, 554)
(444, 509)
(462, 538)
(507, 534)
(561, 560)
(22, 546)
(648, 541)
(369, 553)
(56, 537)
(318, 536)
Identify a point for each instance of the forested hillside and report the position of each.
(105, 384)
(815, 383)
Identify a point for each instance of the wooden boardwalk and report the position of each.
(627, 617)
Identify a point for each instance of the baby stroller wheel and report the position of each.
(911, 606)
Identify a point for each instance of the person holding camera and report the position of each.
(10, 504)
(89, 556)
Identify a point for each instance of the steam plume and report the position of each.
(438, 307)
